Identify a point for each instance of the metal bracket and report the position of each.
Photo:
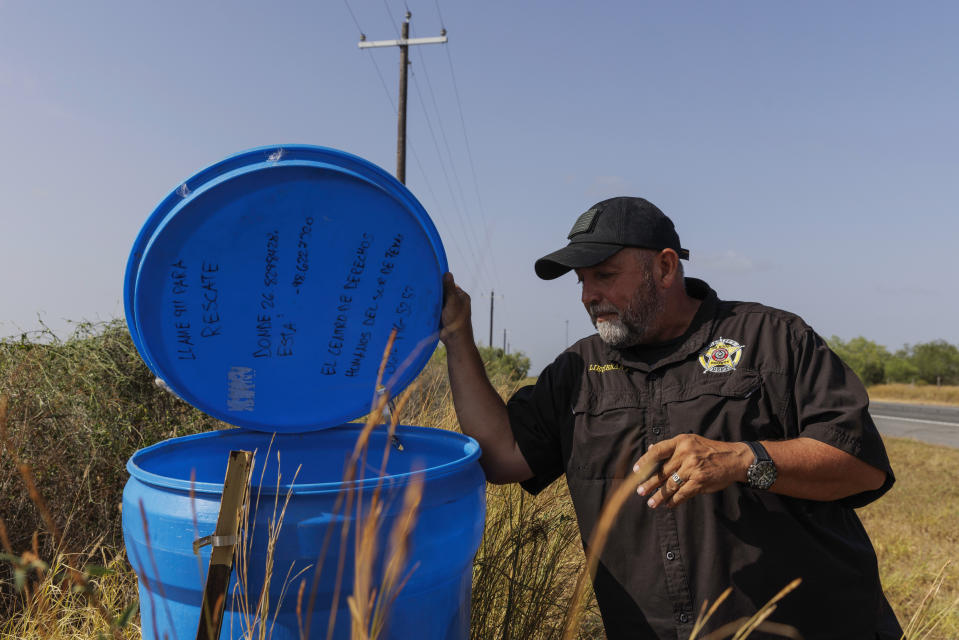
(216, 541)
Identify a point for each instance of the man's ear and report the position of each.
(667, 263)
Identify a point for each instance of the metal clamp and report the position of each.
(216, 541)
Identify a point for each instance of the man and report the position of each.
(764, 437)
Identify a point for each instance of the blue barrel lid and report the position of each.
(263, 290)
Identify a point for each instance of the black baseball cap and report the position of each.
(607, 227)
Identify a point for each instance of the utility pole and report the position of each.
(504, 341)
(404, 44)
(490, 319)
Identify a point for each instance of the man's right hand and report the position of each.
(456, 319)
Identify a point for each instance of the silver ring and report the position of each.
(675, 478)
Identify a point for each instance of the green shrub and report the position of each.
(900, 368)
(500, 366)
(936, 362)
(866, 358)
(78, 409)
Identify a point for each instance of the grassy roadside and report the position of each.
(916, 394)
(915, 533)
(80, 408)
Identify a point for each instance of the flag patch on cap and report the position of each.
(584, 223)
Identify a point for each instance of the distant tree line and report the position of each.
(935, 362)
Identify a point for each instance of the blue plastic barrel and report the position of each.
(433, 604)
(263, 290)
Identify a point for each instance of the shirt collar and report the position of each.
(691, 342)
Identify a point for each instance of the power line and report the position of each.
(478, 264)
(379, 75)
(392, 19)
(481, 263)
(352, 15)
(395, 108)
(469, 153)
(462, 218)
(389, 96)
(446, 143)
(467, 228)
(436, 200)
(484, 251)
(485, 221)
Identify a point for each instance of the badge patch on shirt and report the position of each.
(721, 356)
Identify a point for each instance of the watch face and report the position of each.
(762, 474)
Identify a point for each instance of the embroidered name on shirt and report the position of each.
(721, 356)
(603, 368)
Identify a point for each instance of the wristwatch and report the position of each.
(762, 472)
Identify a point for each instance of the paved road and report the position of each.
(934, 424)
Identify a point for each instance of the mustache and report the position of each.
(602, 307)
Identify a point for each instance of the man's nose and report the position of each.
(589, 294)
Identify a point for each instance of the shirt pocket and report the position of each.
(608, 434)
(731, 407)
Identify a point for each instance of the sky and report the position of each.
(808, 153)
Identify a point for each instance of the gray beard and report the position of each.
(632, 324)
(614, 333)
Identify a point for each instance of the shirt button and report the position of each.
(657, 431)
(670, 555)
(684, 617)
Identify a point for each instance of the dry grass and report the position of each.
(923, 393)
(79, 410)
(58, 611)
(915, 529)
(526, 567)
(531, 554)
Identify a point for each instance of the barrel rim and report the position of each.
(471, 454)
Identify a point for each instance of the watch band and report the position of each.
(759, 451)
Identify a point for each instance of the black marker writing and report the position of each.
(403, 310)
(178, 275)
(303, 254)
(334, 346)
(179, 285)
(285, 348)
(210, 303)
(272, 257)
(359, 262)
(264, 336)
(264, 316)
(359, 352)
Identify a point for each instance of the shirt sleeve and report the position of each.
(833, 407)
(539, 415)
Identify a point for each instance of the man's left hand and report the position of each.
(701, 465)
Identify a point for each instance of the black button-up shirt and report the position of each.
(742, 371)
